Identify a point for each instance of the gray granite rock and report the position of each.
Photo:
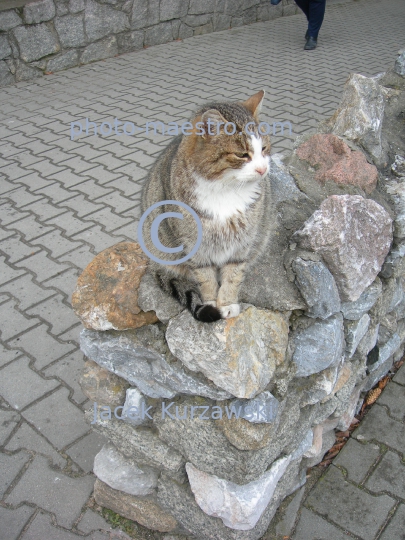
(105, 48)
(161, 33)
(5, 49)
(221, 352)
(360, 114)
(378, 374)
(63, 61)
(8, 20)
(6, 77)
(394, 265)
(101, 20)
(355, 310)
(383, 353)
(144, 13)
(134, 405)
(318, 288)
(139, 444)
(122, 473)
(70, 30)
(319, 386)
(75, 6)
(239, 507)
(318, 347)
(396, 193)
(62, 7)
(130, 41)
(24, 72)
(172, 9)
(142, 358)
(39, 11)
(354, 333)
(400, 63)
(353, 235)
(35, 41)
(152, 298)
(262, 409)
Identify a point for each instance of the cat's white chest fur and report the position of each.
(222, 199)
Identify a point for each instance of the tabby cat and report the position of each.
(224, 178)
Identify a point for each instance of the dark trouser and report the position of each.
(314, 11)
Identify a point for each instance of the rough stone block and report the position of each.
(318, 288)
(355, 310)
(63, 61)
(144, 13)
(142, 358)
(9, 20)
(127, 42)
(123, 474)
(75, 6)
(400, 63)
(36, 41)
(172, 9)
(70, 30)
(353, 235)
(6, 77)
(39, 11)
(142, 510)
(101, 20)
(318, 347)
(354, 333)
(5, 49)
(102, 386)
(220, 351)
(161, 33)
(24, 72)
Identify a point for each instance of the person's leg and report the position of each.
(315, 18)
(304, 5)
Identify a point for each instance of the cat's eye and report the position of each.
(264, 148)
(242, 155)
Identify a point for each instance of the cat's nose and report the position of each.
(261, 170)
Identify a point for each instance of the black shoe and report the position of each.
(306, 35)
(275, 2)
(311, 43)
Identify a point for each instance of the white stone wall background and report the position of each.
(51, 35)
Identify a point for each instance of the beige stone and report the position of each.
(144, 511)
(102, 386)
(106, 295)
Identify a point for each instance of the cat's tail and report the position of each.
(188, 295)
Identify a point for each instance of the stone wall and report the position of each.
(211, 426)
(50, 35)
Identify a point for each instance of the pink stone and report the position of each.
(334, 161)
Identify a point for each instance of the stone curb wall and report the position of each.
(51, 35)
(211, 426)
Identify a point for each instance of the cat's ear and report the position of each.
(254, 103)
(213, 123)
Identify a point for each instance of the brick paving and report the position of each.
(63, 201)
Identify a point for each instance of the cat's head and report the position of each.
(226, 143)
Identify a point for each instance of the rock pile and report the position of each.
(211, 426)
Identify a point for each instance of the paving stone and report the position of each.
(64, 282)
(57, 418)
(393, 397)
(311, 526)
(56, 243)
(13, 521)
(389, 476)
(7, 273)
(69, 369)
(42, 266)
(20, 385)
(8, 421)
(377, 425)
(52, 491)
(13, 322)
(54, 311)
(357, 459)
(396, 527)
(92, 521)
(7, 355)
(43, 347)
(16, 249)
(85, 450)
(10, 467)
(400, 376)
(27, 438)
(348, 506)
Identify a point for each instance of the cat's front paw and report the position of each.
(227, 312)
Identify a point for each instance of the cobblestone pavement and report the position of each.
(64, 200)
